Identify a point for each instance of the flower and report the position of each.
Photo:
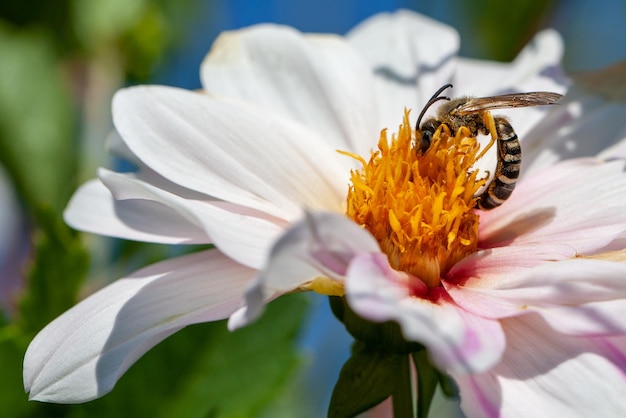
(236, 164)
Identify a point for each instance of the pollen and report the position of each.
(419, 206)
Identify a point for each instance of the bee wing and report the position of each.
(535, 98)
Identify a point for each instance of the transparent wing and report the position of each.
(535, 98)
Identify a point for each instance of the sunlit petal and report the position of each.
(411, 57)
(80, 355)
(227, 151)
(316, 80)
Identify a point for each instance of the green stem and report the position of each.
(402, 397)
(427, 381)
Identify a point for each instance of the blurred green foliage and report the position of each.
(498, 30)
(37, 118)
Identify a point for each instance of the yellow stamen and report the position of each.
(324, 286)
(419, 206)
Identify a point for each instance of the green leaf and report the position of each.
(387, 336)
(448, 385)
(247, 371)
(366, 379)
(402, 397)
(56, 274)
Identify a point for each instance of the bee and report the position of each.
(472, 113)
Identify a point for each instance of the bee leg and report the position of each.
(507, 169)
(490, 126)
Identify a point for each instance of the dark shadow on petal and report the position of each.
(392, 74)
(175, 294)
(525, 224)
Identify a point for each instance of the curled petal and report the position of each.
(543, 373)
(80, 355)
(457, 340)
(243, 234)
(94, 209)
(322, 244)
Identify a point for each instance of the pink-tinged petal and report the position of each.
(93, 209)
(411, 56)
(322, 244)
(231, 151)
(591, 291)
(544, 374)
(578, 203)
(604, 318)
(458, 341)
(81, 354)
(491, 264)
(243, 234)
(317, 80)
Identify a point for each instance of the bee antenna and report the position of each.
(432, 101)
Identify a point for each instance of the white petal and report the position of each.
(583, 125)
(321, 244)
(242, 234)
(228, 151)
(577, 203)
(544, 374)
(319, 81)
(81, 354)
(457, 340)
(411, 56)
(116, 146)
(93, 209)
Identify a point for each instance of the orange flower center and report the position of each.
(419, 207)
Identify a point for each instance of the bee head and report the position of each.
(427, 130)
(429, 127)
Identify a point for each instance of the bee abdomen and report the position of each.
(507, 169)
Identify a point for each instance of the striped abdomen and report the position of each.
(507, 169)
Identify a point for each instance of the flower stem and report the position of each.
(402, 397)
